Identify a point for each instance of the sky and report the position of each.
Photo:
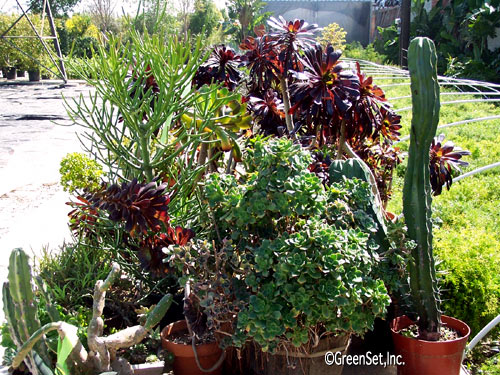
(9, 6)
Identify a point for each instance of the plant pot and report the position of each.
(20, 73)
(429, 357)
(11, 73)
(299, 363)
(391, 216)
(155, 368)
(34, 75)
(184, 361)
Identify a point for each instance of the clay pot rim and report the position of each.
(165, 334)
(449, 318)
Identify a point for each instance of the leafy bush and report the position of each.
(464, 67)
(471, 282)
(332, 34)
(79, 172)
(76, 67)
(356, 51)
(9, 56)
(387, 43)
(491, 367)
(83, 35)
(71, 272)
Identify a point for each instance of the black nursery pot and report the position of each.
(11, 73)
(34, 75)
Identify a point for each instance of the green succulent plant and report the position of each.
(289, 257)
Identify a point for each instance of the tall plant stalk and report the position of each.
(422, 62)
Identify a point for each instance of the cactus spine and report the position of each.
(422, 64)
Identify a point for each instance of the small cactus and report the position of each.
(20, 309)
(422, 63)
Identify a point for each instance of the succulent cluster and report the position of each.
(296, 87)
(141, 209)
(282, 248)
(444, 158)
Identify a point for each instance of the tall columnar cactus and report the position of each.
(422, 62)
(20, 309)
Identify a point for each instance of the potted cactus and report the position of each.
(428, 352)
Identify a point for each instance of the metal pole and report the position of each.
(56, 42)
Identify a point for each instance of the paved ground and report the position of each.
(33, 213)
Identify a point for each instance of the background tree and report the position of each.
(58, 7)
(244, 16)
(102, 12)
(206, 16)
(155, 17)
(184, 9)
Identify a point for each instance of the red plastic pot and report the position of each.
(184, 361)
(429, 357)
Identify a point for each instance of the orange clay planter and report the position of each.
(184, 361)
(429, 357)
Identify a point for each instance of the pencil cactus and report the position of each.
(417, 191)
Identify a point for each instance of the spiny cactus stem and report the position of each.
(158, 312)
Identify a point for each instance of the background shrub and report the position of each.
(79, 172)
(356, 51)
(471, 282)
(332, 34)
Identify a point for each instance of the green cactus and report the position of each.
(422, 62)
(20, 309)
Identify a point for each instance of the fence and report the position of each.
(382, 17)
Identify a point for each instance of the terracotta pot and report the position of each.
(429, 357)
(391, 216)
(184, 361)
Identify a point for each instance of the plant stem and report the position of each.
(145, 155)
(286, 103)
(203, 153)
(341, 140)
